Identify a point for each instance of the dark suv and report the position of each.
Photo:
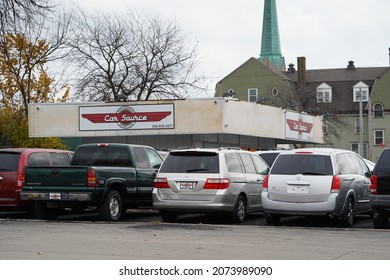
(380, 190)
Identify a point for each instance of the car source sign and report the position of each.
(159, 116)
(299, 126)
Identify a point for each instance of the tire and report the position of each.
(347, 217)
(240, 210)
(111, 208)
(44, 213)
(272, 219)
(379, 218)
(168, 217)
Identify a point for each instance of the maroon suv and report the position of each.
(12, 163)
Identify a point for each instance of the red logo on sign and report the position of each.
(126, 117)
(300, 126)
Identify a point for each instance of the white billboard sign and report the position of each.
(299, 126)
(127, 117)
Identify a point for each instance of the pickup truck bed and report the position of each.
(120, 177)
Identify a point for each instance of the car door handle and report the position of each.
(349, 179)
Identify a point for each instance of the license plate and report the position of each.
(297, 189)
(187, 185)
(55, 196)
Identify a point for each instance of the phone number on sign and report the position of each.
(170, 125)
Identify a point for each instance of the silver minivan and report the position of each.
(209, 180)
(317, 181)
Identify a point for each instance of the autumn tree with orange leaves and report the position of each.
(24, 79)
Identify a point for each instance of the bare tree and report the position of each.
(132, 57)
(26, 10)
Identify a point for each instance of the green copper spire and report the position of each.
(270, 41)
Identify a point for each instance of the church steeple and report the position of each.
(270, 41)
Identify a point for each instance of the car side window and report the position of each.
(141, 157)
(233, 163)
(248, 163)
(39, 159)
(260, 165)
(364, 167)
(347, 164)
(154, 158)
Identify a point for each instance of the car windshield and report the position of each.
(9, 161)
(306, 164)
(191, 162)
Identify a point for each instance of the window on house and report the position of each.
(355, 148)
(357, 125)
(360, 92)
(324, 93)
(378, 110)
(253, 94)
(379, 137)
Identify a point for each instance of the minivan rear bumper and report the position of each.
(300, 208)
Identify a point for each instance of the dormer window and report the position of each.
(324, 93)
(360, 90)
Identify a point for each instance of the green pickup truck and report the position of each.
(111, 177)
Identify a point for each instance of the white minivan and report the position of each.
(203, 180)
(317, 182)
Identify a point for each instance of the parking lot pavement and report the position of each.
(152, 216)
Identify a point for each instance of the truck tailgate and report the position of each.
(39, 177)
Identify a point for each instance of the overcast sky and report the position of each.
(329, 33)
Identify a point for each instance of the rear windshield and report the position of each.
(9, 161)
(102, 156)
(306, 164)
(382, 167)
(191, 162)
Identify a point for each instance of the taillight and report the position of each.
(336, 184)
(160, 183)
(218, 184)
(265, 183)
(91, 178)
(21, 179)
(374, 184)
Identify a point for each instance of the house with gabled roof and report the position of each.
(353, 101)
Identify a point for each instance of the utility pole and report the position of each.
(360, 123)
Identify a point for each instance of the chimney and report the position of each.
(351, 66)
(291, 68)
(301, 71)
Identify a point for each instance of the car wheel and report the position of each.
(272, 219)
(239, 212)
(111, 208)
(347, 218)
(44, 213)
(379, 218)
(168, 217)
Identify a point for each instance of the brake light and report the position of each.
(336, 184)
(374, 184)
(265, 183)
(218, 183)
(102, 145)
(160, 183)
(21, 179)
(91, 178)
(303, 152)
